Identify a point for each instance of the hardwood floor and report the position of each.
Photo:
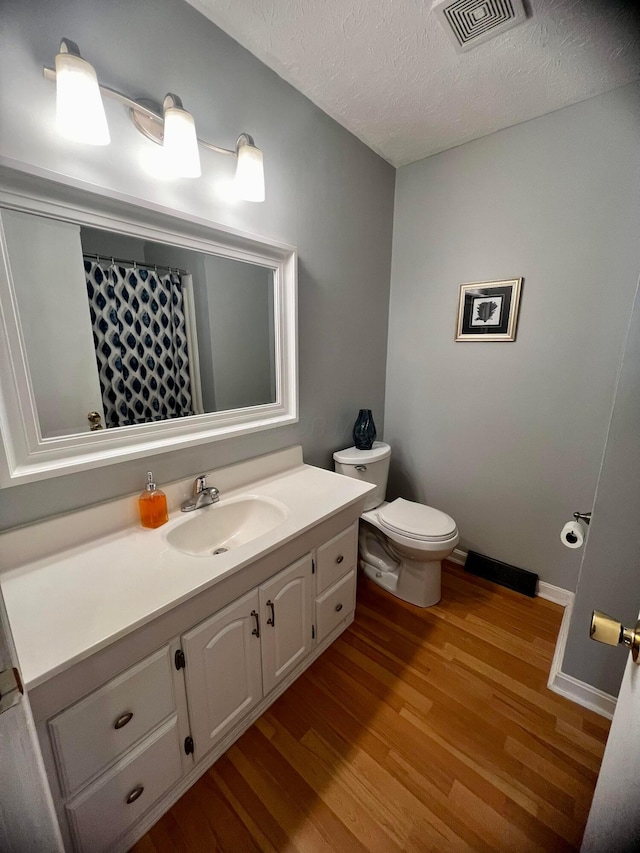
(418, 731)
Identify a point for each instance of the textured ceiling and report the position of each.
(386, 71)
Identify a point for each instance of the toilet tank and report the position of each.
(371, 466)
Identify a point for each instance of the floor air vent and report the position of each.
(512, 577)
(470, 22)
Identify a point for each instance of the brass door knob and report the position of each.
(605, 629)
(95, 421)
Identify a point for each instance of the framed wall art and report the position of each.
(488, 310)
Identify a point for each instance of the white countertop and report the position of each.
(64, 606)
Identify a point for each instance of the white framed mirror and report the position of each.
(128, 331)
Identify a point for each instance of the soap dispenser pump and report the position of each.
(153, 505)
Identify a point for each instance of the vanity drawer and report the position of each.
(337, 557)
(99, 728)
(335, 605)
(104, 810)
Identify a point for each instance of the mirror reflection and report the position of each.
(120, 330)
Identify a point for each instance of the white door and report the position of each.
(27, 819)
(286, 608)
(222, 671)
(614, 819)
(46, 267)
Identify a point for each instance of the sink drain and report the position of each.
(220, 551)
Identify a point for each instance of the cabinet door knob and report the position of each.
(133, 795)
(338, 608)
(339, 558)
(122, 721)
(272, 621)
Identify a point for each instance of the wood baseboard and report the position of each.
(583, 694)
(458, 556)
(555, 593)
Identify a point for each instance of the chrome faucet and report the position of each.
(203, 495)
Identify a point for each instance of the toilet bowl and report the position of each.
(401, 543)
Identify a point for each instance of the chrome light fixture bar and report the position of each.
(80, 116)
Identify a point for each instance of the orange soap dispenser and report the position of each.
(153, 505)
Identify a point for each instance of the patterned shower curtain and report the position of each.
(140, 340)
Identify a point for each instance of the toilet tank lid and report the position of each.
(353, 456)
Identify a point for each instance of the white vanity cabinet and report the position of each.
(121, 745)
(102, 812)
(119, 749)
(92, 733)
(336, 585)
(239, 655)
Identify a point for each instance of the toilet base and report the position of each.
(412, 581)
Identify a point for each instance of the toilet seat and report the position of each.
(416, 521)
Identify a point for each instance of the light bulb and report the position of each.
(249, 180)
(180, 144)
(79, 109)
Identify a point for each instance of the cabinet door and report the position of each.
(286, 608)
(222, 671)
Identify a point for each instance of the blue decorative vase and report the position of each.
(364, 430)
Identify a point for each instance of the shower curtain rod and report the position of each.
(134, 264)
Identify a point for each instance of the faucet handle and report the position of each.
(199, 484)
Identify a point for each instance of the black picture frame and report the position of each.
(488, 310)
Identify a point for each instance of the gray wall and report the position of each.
(108, 244)
(508, 437)
(609, 573)
(240, 320)
(327, 194)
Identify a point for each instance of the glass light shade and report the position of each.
(180, 144)
(249, 180)
(79, 109)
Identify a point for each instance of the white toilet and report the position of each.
(401, 542)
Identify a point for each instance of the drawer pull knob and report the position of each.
(338, 608)
(122, 721)
(133, 796)
(339, 558)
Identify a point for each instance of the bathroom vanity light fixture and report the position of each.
(79, 109)
(81, 117)
(249, 171)
(180, 142)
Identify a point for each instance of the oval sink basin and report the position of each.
(225, 525)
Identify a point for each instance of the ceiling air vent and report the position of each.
(470, 22)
